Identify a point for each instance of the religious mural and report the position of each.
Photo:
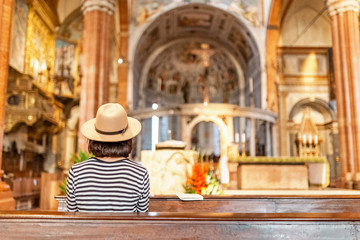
(74, 30)
(249, 9)
(65, 68)
(179, 75)
(18, 36)
(69, 56)
(240, 43)
(148, 42)
(195, 20)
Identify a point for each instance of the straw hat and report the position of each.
(111, 125)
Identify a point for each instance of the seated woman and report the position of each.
(110, 181)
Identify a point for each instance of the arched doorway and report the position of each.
(208, 122)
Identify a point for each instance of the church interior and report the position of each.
(264, 93)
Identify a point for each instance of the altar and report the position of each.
(281, 172)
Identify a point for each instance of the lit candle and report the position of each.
(304, 138)
(243, 137)
(251, 84)
(316, 139)
(236, 137)
(310, 138)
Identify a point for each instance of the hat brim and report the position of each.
(88, 130)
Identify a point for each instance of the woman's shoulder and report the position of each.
(88, 161)
(135, 164)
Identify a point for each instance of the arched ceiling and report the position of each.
(197, 20)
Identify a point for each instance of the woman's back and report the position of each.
(118, 186)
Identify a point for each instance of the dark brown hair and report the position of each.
(110, 149)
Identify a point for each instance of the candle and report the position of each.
(304, 139)
(236, 137)
(251, 84)
(169, 134)
(243, 137)
(316, 139)
(310, 138)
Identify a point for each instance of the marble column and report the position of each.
(268, 140)
(230, 128)
(252, 137)
(273, 140)
(346, 56)
(6, 10)
(98, 24)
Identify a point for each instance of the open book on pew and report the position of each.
(189, 197)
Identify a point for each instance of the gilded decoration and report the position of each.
(40, 50)
(29, 97)
(26, 103)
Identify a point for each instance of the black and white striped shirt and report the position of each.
(119, 186)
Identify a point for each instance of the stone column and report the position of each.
(6, 10)
(252, 137)
(346, 56)
(273, 140)
(268, 143)
(230, 128)
(98, 24)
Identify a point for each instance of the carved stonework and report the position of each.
(168, 169)
(338, 6)
(27, 103)
(107, 6)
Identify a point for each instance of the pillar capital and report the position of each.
(107, 6)
(339, 6)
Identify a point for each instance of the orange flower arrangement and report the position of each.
(197, 181)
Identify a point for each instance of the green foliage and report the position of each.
(189, 189)
(76, 158)
(80, 157)
(62, 186)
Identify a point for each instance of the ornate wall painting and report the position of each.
(143, 9)
(240, 43)
(249, 9)
(18, 36)
(66, 66)
(148, 42)
(202, 20)
(178, 75)
(74, 29)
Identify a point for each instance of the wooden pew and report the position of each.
(258, 204)
(175, 225)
